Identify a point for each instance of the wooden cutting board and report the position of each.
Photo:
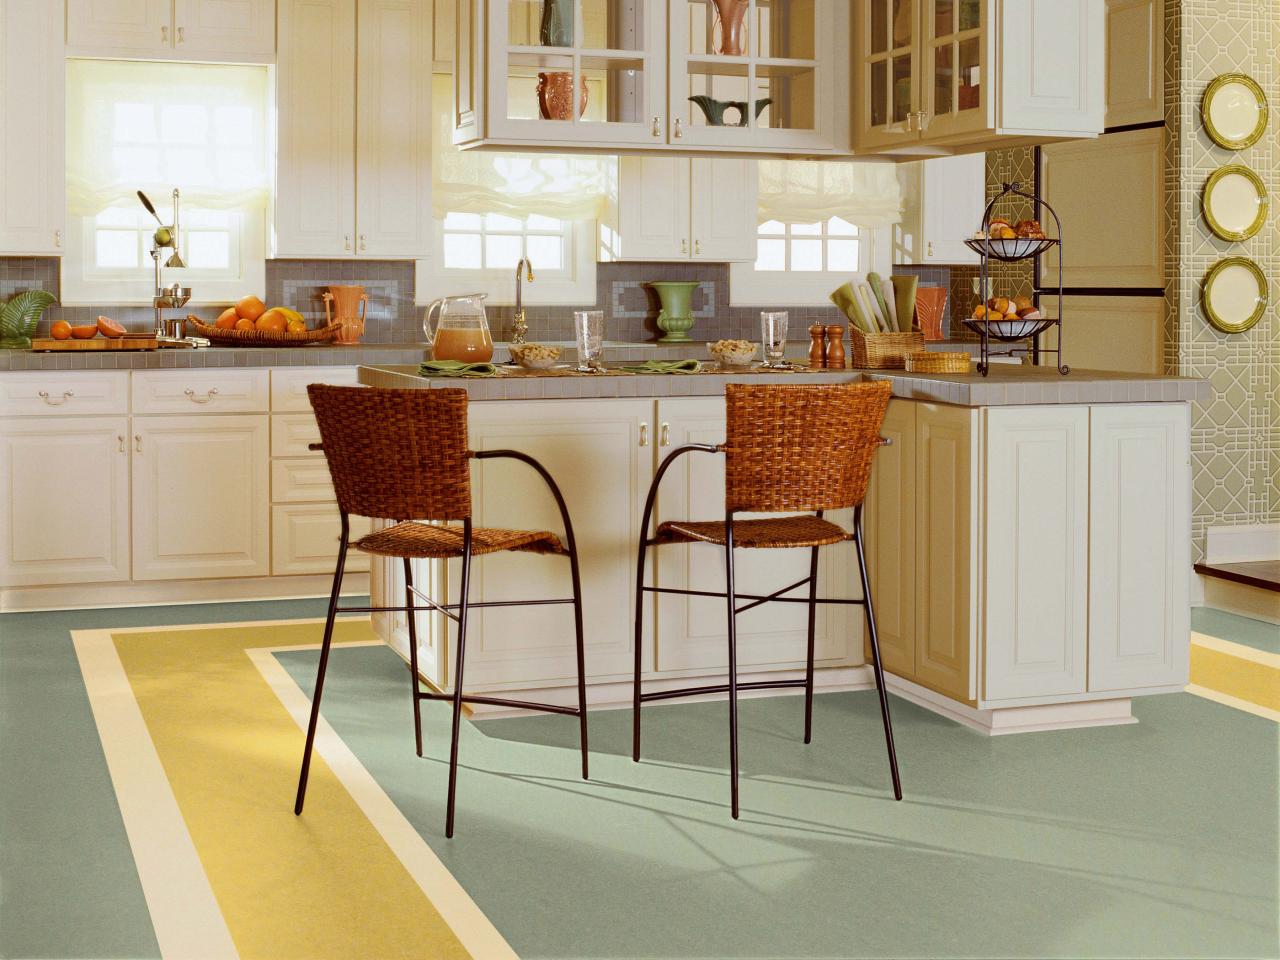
(130, 341)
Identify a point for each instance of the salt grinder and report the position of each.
(817, 354)
(835, 347)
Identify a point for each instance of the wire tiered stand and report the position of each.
(1014, 331)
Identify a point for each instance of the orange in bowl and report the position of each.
(245, 325)
(273, 321)
(227, 319)
(250, 308)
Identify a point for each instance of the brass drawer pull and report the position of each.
(66, 395)
(191, 395)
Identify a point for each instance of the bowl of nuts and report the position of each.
(535, 356)
(732, 353)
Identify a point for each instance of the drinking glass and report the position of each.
(773, 337)
(589, 326)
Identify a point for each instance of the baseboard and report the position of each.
(161, 593)
(1243, 543)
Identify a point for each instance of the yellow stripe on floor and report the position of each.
(1238, 671)
(321, 885)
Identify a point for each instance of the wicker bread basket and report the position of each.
(938, 362)
(262, 338)
(883, 351)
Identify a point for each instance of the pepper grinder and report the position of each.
(835, 347)
(817, 354)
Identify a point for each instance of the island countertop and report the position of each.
(1007, 385)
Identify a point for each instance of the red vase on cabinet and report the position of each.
(732, 15)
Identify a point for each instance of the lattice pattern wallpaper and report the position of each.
(1235, 442)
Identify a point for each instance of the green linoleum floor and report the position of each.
(1231, 626)
(1158, 839)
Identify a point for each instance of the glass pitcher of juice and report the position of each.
(461, 331)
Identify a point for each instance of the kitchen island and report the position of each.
(1028, 537)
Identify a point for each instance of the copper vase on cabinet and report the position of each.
(732, 15)
(555, 95)
(347, 305)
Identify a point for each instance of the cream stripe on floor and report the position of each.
(184, 912)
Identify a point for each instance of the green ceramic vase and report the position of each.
(675, 319)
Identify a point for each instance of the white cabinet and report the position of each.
(670, 208)
(692, 631)
(201, 500)
(1139, 537)
(305, 537)
(347, 186)
(228, 31)
(944, 76)
(1135, 61)
(944, 202)
(1037, 551)
(32, 128)
(64, 500)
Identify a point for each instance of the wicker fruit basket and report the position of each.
(261, 338)
(883, 351)
(938, 362)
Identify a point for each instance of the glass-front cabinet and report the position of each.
(733, 75)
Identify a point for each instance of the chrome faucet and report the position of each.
(524, 271)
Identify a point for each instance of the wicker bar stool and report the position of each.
(788, 448)
(403, 455)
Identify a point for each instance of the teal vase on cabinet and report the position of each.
(557, 23)
(675, 318)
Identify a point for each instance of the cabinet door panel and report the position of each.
(946, 556)
(1052, 59)
(888, 74)
(234, 30)
(692, 632)
(1139, 545)
(33, 134)
(304, 539)
(393, 129)
(315, 93)
(653, 208)
(64, 501)
(722, 203)
(1037, 480)
(890, 526)
(1135, 61)
(201, 497)
(95, 27)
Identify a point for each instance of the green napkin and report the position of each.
(904, 296)
(890, 322)
(455, 368)
(665, 366)
(847, 301)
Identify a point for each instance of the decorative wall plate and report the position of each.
(1234, 293)
(1234, 202)
(1234, 111)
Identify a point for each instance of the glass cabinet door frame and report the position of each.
(893, 132)
(826, 134)
(945, 120)
(648, 129)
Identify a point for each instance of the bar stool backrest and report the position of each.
(800, 447)
(396, 454)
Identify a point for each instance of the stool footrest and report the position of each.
(500, 702)
(720, 688)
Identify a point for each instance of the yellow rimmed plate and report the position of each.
(1234, 111)
(1234, 202)
(1234, 294)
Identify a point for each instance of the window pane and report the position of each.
(539, 222)
(136, 163)
(462, 221)
(122, 217)
(771, 254)
(234, 125)
(501, 251)
(498, 221)
(806, 255)
(842, 255)
(545, 252)
(772, 227)
(184, 123)
(117, 248)
(133, 123)
(839, 227)
(462, 251)
(806, 229)
(207, 250)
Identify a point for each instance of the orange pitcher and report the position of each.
(344, 301)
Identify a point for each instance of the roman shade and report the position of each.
(864, 193)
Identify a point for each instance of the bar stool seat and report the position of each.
(420, 541)
(773, 532)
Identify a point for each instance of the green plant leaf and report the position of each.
(18, 317)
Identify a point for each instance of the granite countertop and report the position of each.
(1007, 385)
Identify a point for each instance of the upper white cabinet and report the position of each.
(948, 76)
(1135, 61)
(757, 76)
(224, 31)
(672, 208)
(346, 186)
(944, 201)
(32, 128)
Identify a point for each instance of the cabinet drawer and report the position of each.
(304, 539)
(200, 391)
(289, 387)
(301, 480)
(290, 434)
(68, 393)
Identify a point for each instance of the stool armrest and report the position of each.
(315, 446)
(551, 485)
(886, 441)
(662, 469)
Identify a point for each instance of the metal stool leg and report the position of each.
(575, 574)
(320, 671)
(457, 680)
(875, 657)
(813, 624)
(413, 654)
(733, 665)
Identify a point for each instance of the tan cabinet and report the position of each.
(890, 524)
(1135, 62)
(209, 30)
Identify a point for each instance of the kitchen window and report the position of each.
(201, 128)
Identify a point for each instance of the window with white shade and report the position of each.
(496, 241)
(826, 246)
(201, 128)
